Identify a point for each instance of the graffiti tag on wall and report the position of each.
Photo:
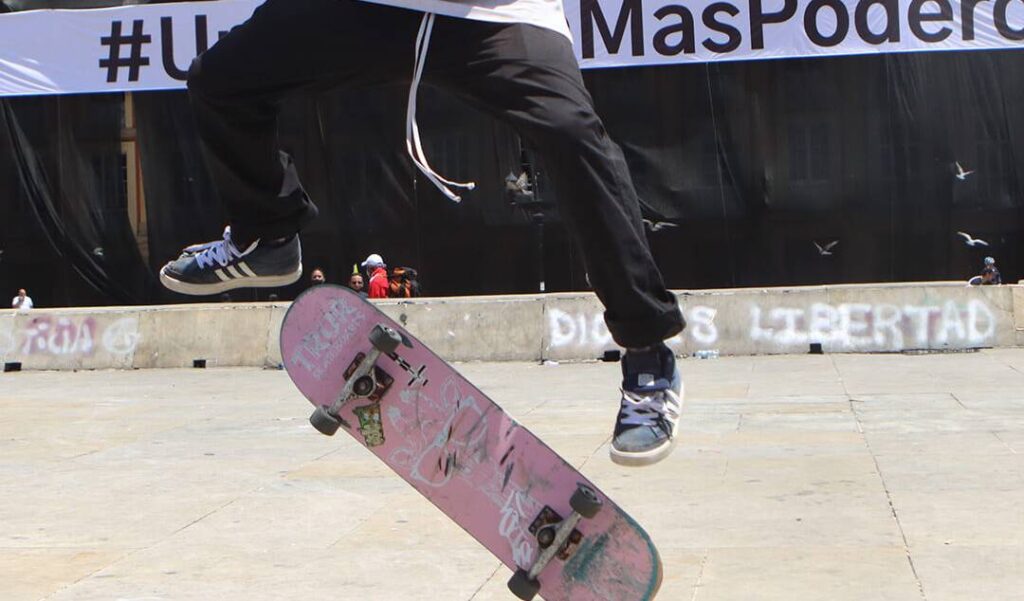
(846, 326)
(858, 326)
(70, 337)
(579, 330)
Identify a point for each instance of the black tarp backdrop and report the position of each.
(755, 161)
(350, 148)
(758, 160)
(66, 235)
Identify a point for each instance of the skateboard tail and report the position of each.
(588, 575)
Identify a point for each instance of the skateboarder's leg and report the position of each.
(237, 88)
(529, 77)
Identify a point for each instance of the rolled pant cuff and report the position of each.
(645, 332)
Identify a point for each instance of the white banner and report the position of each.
(129, 48)
(611, 33)
(149, 47)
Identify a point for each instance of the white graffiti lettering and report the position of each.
(568, 330)
(122, 336)
(514, 525)
(701, 325)
(859, 326)
(578, 329)
(977, 313)
(456, 440)
(453, 432)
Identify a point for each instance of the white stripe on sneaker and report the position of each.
(223, 276)
(247, 270)
(234, 272)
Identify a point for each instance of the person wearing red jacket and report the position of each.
(377, 273)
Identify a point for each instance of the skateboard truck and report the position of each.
(373, 385)
(361, 382)
(556, 538)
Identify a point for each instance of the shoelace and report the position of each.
(412, 130)
(649, 409)
(197, 248)
(219, 251)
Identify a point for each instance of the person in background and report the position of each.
(403, 282)
(377, 273)
(22, 302)
(990, 275)
(355, 282)
(317, 277)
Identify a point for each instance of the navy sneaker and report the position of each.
(652, 400)
(219, 266)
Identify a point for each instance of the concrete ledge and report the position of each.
(850, 318)
(222, 335)
(496, 328)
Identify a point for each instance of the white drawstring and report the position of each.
(412, 130)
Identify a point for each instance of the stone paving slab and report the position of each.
(860, 477)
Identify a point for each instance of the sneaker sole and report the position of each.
(270, 281)
(629, 459)
(642, 458)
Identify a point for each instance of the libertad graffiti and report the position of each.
(751, 327)
(861, 326)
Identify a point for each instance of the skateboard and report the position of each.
(559, 534)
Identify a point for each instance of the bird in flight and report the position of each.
(960, 173)
(826, 251)
(657, 225)
(972, 242)
(518, 184)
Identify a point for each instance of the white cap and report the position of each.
(373, 260)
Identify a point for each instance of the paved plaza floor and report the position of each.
(819, 477)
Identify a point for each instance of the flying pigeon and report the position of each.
(961, 174)
(972, 242)
(657, 225)
(519, 184)
(827, 250)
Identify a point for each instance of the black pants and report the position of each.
(524, 75)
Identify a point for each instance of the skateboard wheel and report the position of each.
(585, 502)
(385, 339)
(522, 586)
(324, 422)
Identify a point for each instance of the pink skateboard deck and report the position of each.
(461, 451)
